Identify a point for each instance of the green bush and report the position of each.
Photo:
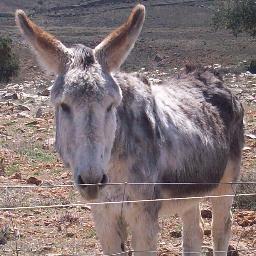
(236, 15)
(9, 64)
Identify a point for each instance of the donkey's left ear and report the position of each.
(50, 51)
(114, 49)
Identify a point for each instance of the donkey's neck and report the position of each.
(136, 134)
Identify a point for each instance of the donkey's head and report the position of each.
(85, 95)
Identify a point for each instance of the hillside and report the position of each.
(175, 32)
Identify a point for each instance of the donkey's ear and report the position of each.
(114, 49)
(50, 52)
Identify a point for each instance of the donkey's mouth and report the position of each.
(91, 191)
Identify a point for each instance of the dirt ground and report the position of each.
(174, 34)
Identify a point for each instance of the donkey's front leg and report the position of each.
(143, 222)
(192, 231)
(110, 229)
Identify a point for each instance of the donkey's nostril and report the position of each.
(104, 179)
(80, 180)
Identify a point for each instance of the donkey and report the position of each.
(182, 138)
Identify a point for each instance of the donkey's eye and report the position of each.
(65, 108)
(110, 108)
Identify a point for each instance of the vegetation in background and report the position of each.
(9, 64)
(236, 15)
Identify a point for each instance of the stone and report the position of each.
(158, 58)
(49, 143)
(175, 234)
(206, 214)
(232, 251)
(23, 108)
(11, 96)
(39, 112)
(16, 176)
(34, 180)
(34, 122)
(23, 115)
(70, 234)
(207, 232)
(45, 92)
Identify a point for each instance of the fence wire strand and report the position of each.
(122, 202)
(128, 183)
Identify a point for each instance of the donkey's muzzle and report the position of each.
(89, 188)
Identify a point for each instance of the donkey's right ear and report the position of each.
(114, 49)
(50, 51)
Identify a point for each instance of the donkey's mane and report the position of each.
(82, 56)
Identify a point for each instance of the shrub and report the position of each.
(236, 15)
(9, 64)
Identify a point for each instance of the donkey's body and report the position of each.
(186, 130)
(119, 128)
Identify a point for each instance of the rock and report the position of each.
(206, 214)
(70, 234)
(64, 175)
(45, 92)
(246, 148)
(244, 223)
(11, 96)
(250, 135)
(232, 251)
(3, 239)
(41, 129)
(23, 108)
(175, 234)
(47, 248)
(216, 66)
(86, 207)
(35, 122)
(207, 232)
(2, 167)
(2, 93)
(47, 223)
(49, 143)
(33, 180)
(252, 67)
(39, 112)
(207, 250)
(16, 176)
(23, 115)
(158, 58)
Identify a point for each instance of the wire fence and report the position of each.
(131, 183)
(6, 207)
(124, 202)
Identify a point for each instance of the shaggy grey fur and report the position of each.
(117, 127)
(194, 118)
(182, 131)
